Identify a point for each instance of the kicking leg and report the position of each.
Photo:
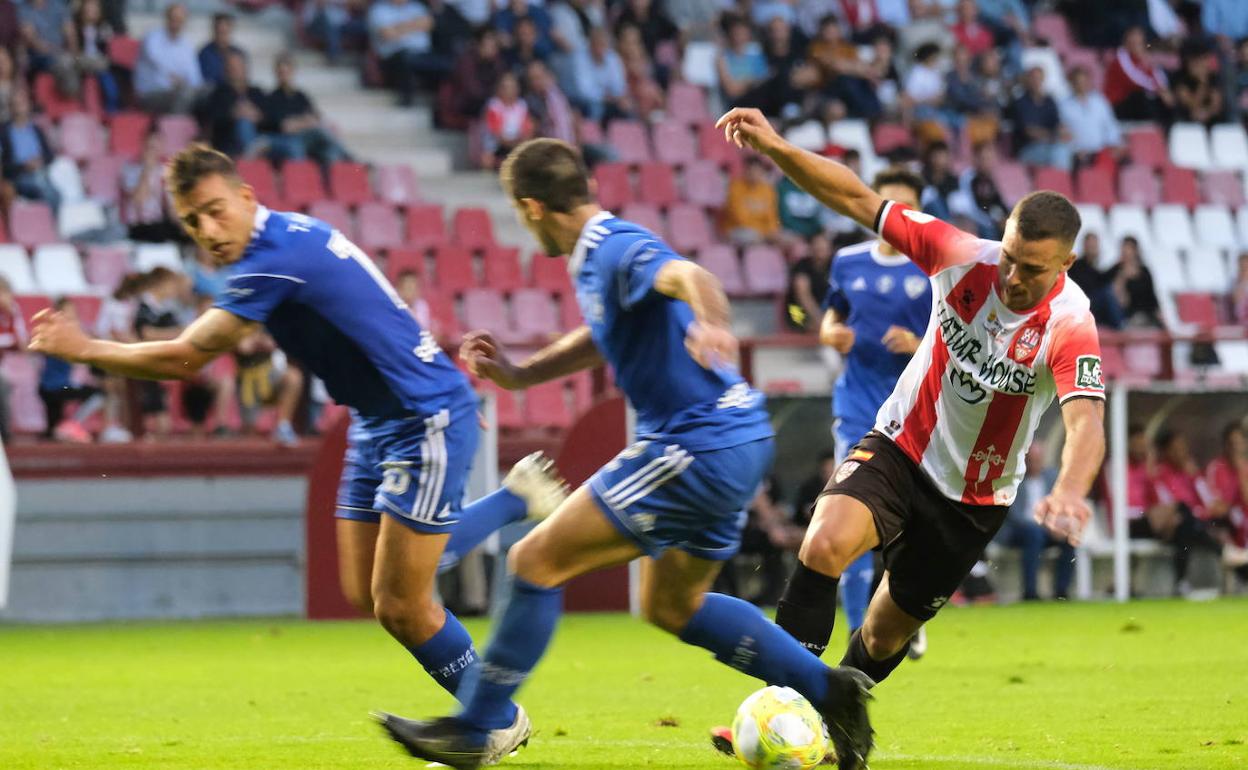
(357, 543)
(880, 645)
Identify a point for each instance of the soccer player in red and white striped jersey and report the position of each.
(929, 486)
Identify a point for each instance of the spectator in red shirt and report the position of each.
(1136, 87)
(972, 36)
(1227, 477)
(507, 121)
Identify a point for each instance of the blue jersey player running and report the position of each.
(875, 314)
(414, 420)
(677, 497)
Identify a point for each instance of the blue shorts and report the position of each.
(662, 496)
(414, 469)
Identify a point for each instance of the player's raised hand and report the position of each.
(899, 339)
(1064, 515)
(55, 334)
(711, 346)
(485, 358)
(748, 127)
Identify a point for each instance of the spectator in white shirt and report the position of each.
(925, 83)
(167, 76)
(1089, 119)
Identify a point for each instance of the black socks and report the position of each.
(857, 657)
(807, 610)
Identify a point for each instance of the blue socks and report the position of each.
(479, 520)
(448, 654)
(856, 589)
(742, 637)
(520, 639)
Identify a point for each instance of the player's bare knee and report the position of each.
(531, 563)
(825, 551)
(669, 612)
(408, 619)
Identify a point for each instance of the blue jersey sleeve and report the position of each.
(254, 295)
(835, 299)
(637, 262)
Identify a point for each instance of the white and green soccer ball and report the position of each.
(778, 729)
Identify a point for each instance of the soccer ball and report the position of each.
(778, 729)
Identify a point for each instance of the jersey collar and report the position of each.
(884, 260)
(583, 243)
(262, 219)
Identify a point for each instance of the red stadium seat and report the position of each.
(506, 406)
(105, 266)
(689, 229)
(1139, 185)
(712, 147)
(549, 274)
(589, 132)
(1095, 185)
(1053, 28)
(453, 267)
(615, 190)
(674, 143)
(1222, 188)
(1142, 359)
(22, 371)
(630, 140)
(128, 131)
(334, 214)
(124, 51)
(378, 227)
(397, 184)
(29, 304)
(686, 103)
(534, 314)
(88, 308)
(484, 309)
(1055, 179)
(102, 178)
(704, 184)
(1196, 308)
(648, 216)
(502, 269)
(569, 312)
(176, 132)
(721, 260)
(891, 136)
(302, 184)
(546, 406)
(1013, 180)
(259, 174)
(582, 385)
(82, 136)
(405, 260)
(349, 183)
(1147, 147)
(472, 229)
(1178, 185)
(446, 323)
(426, 226)
(656, 185)
(33, 223)
(764, 269)
(55, 105)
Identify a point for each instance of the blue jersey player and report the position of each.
(875, 314)
(676, 497)
(414, 420)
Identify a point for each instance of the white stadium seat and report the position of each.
(1229, 145)
(1092, 220)
(1172, 226)
(1241, 224)
(15, 266)
(79, 218)
(1054, 75)
(1128, 219)
(151, 255)
(1215, 227)
(810, 135)
(698, 65)
(1232, 355)
(58, 270)
(1189, 146)
(1166, 267)
(855, 134)
(65, 177)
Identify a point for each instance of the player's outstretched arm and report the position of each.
(709, 339)
(832, 183)
(215, 332)
(1065, 511)
(569, 354)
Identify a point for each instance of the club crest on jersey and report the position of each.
(1027, 342)
(914, 285)
(846, 470)
(884, 284)
(1088, 373)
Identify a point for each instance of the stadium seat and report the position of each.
(1228, 144)
(82, 136)
(648, 216)
(102, 178)
(349, 183)
(721, 260)
(58, 270)
(1147, 147)
(656, 185)
(397, 184)
(1163, 262)
(1013, 180)
(66, 178)
(1128, 219)
(704, 184)
(852, 134)
(1172, 226)
(1047, 59)
(105, 266)
(1092, 220)
(1178, 185)
(452, 264)
(1215, 227)
(631, 143)
(32, 223)
(472, 229)
(79, 218)
(1189, 146)
(1142, 359)
(259, 174)
(426, 226)
(1095, 185)
(764, 269)
(686, 103)
(697, 66)
(176, 132)
(1090, 60)
(151, 255)
(334, 214)
(712, 147)
(615, 190)
(302, 184)
(1197, 308)
(589, 131)
(127, 132)
(506, 407)
(1052, 27)
(124, 51)
(569, 312)
(689, 229)
(442, 314)
(534, 314)
(88, 308)
(546, 406)
(888, 137)
(485, 309)
(15, 267)
(549, 274)
(674, 143)
(378, 226)
(582, 387)
(55, 105)
(22, 371)
(501, 268)
(1223, 188)
(1241, 224)
(1139, 185)
(1055, 179)
(404, 260)
(1232, 356)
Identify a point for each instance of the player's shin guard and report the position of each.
(479, 520)
(742, 637)
(807, 610)
(447, 654)
(520, 639)
(858, 657)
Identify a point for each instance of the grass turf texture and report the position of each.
(1146, 685)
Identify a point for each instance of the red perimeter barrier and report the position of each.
(323, 597)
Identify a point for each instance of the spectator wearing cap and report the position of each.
(212, 55)
(291, 123)
(1134, 85)
(167, 77)
(1039, 137)
(1086, 114)
(751, 212)
(400, 33)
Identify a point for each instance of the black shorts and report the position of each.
(929, 542)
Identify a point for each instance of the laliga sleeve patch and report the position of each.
(1088, 373)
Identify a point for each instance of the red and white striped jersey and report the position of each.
(967, 406)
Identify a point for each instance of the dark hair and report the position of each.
(129, 285)
(940, 145)
(217, 18)
(157, 274)
(1164, 438)
(851, 154)
(1135, 429)
(1230, 428)
(926, 51)
(550, 171)
(899, 175)
(1045, 214)
(194, 163)
(60, 303)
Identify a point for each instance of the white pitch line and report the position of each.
(1001, 761)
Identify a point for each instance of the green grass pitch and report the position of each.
(1083, 686)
